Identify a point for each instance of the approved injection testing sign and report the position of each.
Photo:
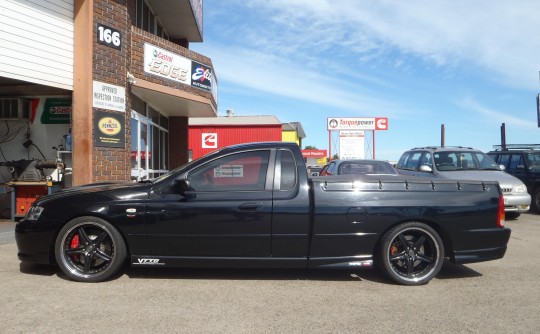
(110, 97)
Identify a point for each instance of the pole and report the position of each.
(442, 135)
(503, 137)
(330, 145)
(373, 136)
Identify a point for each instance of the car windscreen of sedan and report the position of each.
(368, 167)
(458, 161)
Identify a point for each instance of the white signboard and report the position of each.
(351, 145)
(229, 171)
(110, 97)
(166, 64)
(357, 123)
(209, 140)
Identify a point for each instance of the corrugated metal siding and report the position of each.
(231, 135)
(36, 39)
(290, 136)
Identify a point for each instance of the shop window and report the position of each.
(148, 21)
(153, 115)
(149, 141)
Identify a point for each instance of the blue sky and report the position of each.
(470, 65)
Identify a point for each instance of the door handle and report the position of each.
(249, 206)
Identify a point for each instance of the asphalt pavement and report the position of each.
(7, 228)
(501, 296)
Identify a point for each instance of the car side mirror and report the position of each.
(182, 187)
(501, 167)
(425, 168)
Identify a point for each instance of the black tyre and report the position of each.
(411, 253)
(512, 215)
(89, 249)
(535, 200)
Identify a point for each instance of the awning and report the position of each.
(173, 102)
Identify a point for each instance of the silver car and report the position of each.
(465, 163)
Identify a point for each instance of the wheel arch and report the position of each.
(52, 257)
(445, 237)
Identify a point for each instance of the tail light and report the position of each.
(500, 214)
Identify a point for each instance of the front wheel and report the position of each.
(535, 200)
(89, 249)
(411, 253)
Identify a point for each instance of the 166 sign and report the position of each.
(109, 36)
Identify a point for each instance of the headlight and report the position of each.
(520, 189)
(34, 213)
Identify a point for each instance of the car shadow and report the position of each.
(254, 274)
(450, 270)
(39, 269)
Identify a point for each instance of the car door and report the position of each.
(226, 213)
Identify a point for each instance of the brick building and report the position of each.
(116, 75)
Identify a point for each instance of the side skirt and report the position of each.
(361, 261)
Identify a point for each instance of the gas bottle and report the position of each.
(69, 141)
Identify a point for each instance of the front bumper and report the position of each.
(34, 244)
(517, 202)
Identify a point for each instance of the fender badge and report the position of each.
(131, 212)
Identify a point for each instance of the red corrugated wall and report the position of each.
(230, 135)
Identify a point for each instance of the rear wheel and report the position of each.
(89, 249)
(411, 253)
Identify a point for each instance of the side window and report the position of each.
(515, 161)
(240, 171)
(412, 162)
(504, 159)
(330, 170)
(288, 171)
(426, 160)
(402, 160)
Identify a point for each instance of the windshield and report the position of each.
(459, 161)
(533, 161)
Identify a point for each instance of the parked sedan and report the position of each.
(358, 166)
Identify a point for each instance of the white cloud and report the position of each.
(495, 117)
(498, 36)
(270, 74)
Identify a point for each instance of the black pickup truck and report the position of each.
(254, 206)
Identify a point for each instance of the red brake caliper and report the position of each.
(75, 244)
(393, 250)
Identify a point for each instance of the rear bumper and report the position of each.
(494, 246)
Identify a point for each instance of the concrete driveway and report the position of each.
(501, 296)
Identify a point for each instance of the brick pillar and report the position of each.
(178, 141)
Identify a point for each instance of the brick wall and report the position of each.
(111, 66)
